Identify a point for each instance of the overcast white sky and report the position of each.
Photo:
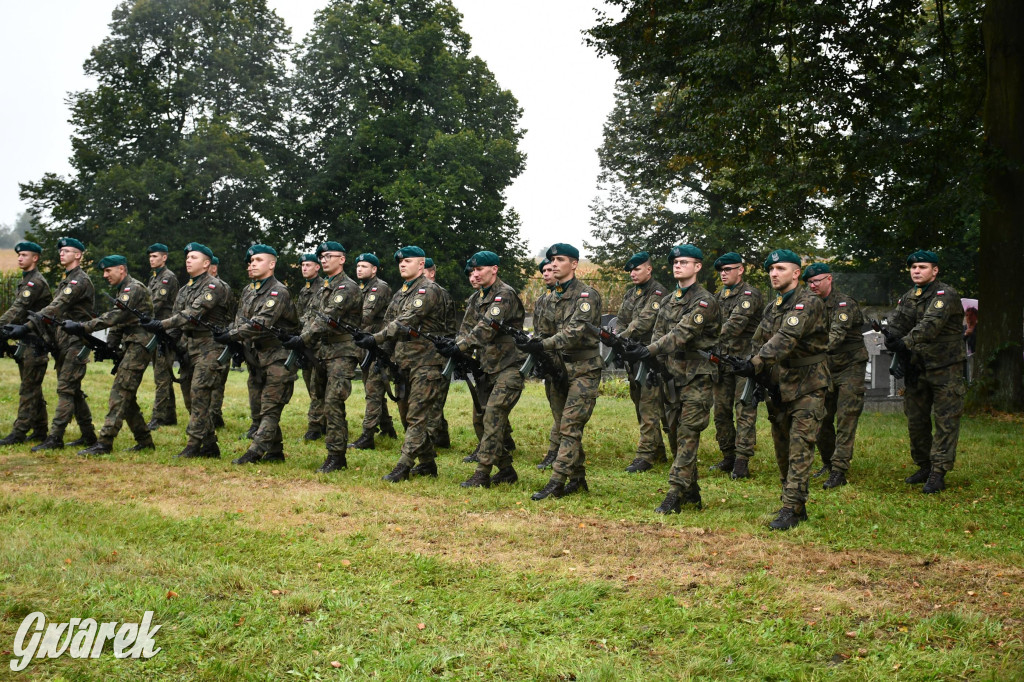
(534, 47)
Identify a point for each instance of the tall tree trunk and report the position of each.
(1000, 335)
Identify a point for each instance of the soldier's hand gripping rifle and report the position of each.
(901, 366)
(233, 351)
(650, 370)
(304, 359)
(757, 388)
(161, 337)
(356, 332)
(539, 360)
(459, 365)
(24, 338)
(376, 356)
(93, 343)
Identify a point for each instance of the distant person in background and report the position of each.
(970, 328)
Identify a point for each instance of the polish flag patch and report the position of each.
(585, 294)
(842, 304)
(422, 291)
(940, 293)
(373, 288)
(748, 293)
(74, 281)
(703, 304)
(213, 286)
(273, 293)
(31, 284)
(127, 288)
(798, 306)
(497, 299)
(164, 281)
(657, 292)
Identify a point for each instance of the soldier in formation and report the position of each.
(376, 296)
(305, 305)
(163, 287)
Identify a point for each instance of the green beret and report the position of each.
(563, 250)
(637, 259)
(309, 258)
(112, 261)
(409, 252)
(731, 258)
(921, 256)
(196, 246)
(368, 258)
(815, 269)
(27, 246)
(781, 256)
(482, 258)
(158, 247)
(70, 241)
(685, 251)
(258, 248)
(543, 264)
(214, 261)
(329, 246)
(428, 263)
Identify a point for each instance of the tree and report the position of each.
(181, 137)
(11, 235)
(404, 138)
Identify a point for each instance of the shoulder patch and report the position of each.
(843, 317)
(495, 311)
(74, 281)
(422, 291)
(657, 292)
(698, 318)
(655, 305)
(584, 294)
(373, 288)
(124, 297)
(67, 291)
(270, 303)
(702, 304)
(273, 293)
(842, 304)
(26, 293)
(208, 297)
(31, 284)
(417, 303)
(585, 306)
(164, 281)
(745, 305)
(213, 286)
(798, 306)
(341, 286)
(748, 293)
(938, 303)
(339, 298)
(940, 292)
(793, 321)
(497, 299)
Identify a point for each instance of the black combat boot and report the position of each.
(333, 463)
(835, 479)
(253, 428)
(726, 465)
(825, 470)
(190, 451)
(97, 448)
(399, 473)
(13, 439)
(481, 478)
(659, 453)
(51, 443)
(639, 465)
(37, 435)
(549, 459)
(787, 518)
(388, 430)
(510, 444)
(505, 475)
(554, 487)
(277, 456)
(919, 476)
(424, 469)
(250, 457)
(87, 439)
(211, 450)
(144, 445)
(313, 433)
(936, 483)
(672, 504)
(218, 422)
(443, 440)
(741, 469)
(575, 485)
(365, 441)
(692, 496)
(154, 424)
(472, 457)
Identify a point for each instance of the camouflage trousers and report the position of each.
(376, 413)
(217, 399)
(650, 414)
(794, 429)
(164, 409)
(315, 381)
(843, 405)
(333, 382)
(498, 394)
(688, 418)
(584, 385)
(123, 405)
(426, 386)
(205, 378)
(734, 440)
(556, 401)
(273, 384)
(71, 401)
(254, 385)
(185, 384)
(938, 397)
(31, 404)
(438, 425)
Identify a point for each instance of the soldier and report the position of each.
(376, 296)
(575, 304)
(501, 385)
(742, 306)
(204, 302)
(438, 424)
(339, 299)
(217, 400)
(790, 345)
(306, 301)
(847, 359)
(265, 304)
(927, 323)
(688, 322)
(163, 287)
(639, 309)
(418, 305)
(33, 294)
(544, 325)
(137, 348)
(73, 301)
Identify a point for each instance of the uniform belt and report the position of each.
(847, 347)
(579, 355)
(198, 333)
(796, 363)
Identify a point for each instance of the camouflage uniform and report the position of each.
(124, 330)
(204, 297)
(217, 398)
(791, 340)
(268, 303)
(73, 301)
(639, 309)
(742, 306)
(502, 384)
(688, 321)
(418, 304)
(33, 294)
(305, 306)
(847, 358)
(929, 320)
(545, 324)
(438, 425)
(574, 304)
(163, 287)
(339, 298)
(376, 296)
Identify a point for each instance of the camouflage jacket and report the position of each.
(845, 340)
(791, 340)
(741, 307)
(307, 296)
(33, 294)
(124, 326)
(204, 297)
(419, 305)
(544, 323)
(163, 287)
(339, 298)
(451, 322)
(574, 305)
(688, 321)
(268, 303)
(376, 296)
(74, 300)
(494, 350)
(639, 310)
(930, 320)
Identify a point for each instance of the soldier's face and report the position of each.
(731, 274)
(430, 273)
(641, 274)
(333, 262)
(784, 276)
(821, 285)
(685, 270)
(213, 269)
(483, 276)
(157, 259)
(923, 273)
(261, 266)
(196, 263)
(365, 270)
(115, 274)
(410, 268)
(563, 268)
(27, 260)
(70, 257)
(309, 269)
(548, 275)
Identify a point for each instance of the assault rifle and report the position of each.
(650, 371)
(356, 332)
(304, 359)
(93, 343)
(538, 362)
(757, 388)
(377, 358)
(233, 352)
(16, 351)
(162, 337)
(901, 366)
(459, 365)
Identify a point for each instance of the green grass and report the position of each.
(276, 571)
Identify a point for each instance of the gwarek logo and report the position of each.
(82, 638)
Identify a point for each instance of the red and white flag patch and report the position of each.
(798, 306)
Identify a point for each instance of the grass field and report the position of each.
(276, 572)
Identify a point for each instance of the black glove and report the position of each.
(447, 347)
(366, 341)
(15, 331)
(636, 353)
(73, 328)
(294, 343)
(153, 326)
(895, 344)
(530, 345)
(224, 338)
(744, 369)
